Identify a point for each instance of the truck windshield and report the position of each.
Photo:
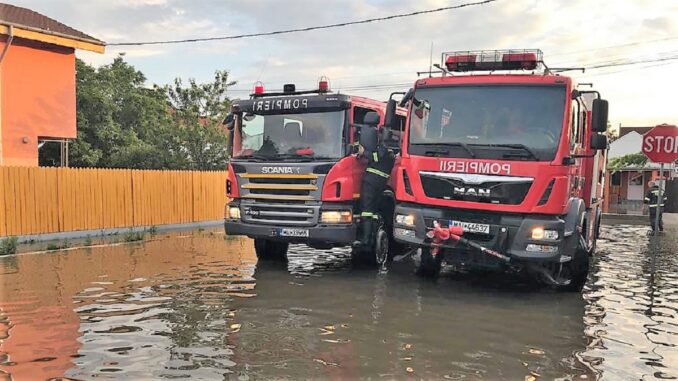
(288, 136)
(490, 122)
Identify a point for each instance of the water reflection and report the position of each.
(632, 306)
(200, 307)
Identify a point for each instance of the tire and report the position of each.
(576, 270)
(268, 250)
(376, 255)
(382, 246)
(429, 267)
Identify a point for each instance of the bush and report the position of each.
(133, 236)
(8, 245)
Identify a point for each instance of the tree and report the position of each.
(123, 123)
(637, 160)
(200, 110)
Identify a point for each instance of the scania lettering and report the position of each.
(292, 177)
(511, 154)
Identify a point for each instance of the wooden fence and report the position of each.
(51, 200)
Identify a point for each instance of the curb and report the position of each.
(113, 231)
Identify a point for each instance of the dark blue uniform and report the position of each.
(652, 199)
(379, 166)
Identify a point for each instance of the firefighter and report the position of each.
(379, 164)
(652, 200)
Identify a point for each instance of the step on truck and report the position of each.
(292, 175)
(502, 167)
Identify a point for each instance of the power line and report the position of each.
(615, 46)
(658, 61)
(615, 61)
(593, 66)
(646, 66)
(306, 29)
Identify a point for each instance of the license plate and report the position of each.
(472, 227)
(286, 232)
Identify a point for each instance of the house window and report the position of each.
(616, 179)
(636, 179)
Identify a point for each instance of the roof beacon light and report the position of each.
(323, 84)
(258, 87)
(490, 60)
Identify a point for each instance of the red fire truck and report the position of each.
(508, 153)
(292, 177)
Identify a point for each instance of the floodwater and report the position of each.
(200, 307)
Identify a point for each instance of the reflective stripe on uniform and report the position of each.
(378, 172)
(375, 157)
(368, 215)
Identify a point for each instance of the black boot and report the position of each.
(367, 239)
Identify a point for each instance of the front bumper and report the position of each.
(509, 234)
(318, 235)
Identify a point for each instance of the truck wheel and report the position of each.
(268, 250)
(429, 266)
(376, 255)
(381, 249)
(576, 270)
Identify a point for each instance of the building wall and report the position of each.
(37, 98)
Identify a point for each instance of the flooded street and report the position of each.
(200, 307)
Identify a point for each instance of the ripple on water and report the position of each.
(200, 308)
(632, 311)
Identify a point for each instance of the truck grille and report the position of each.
(280, 213)
(279, 187)
(476, 188)
(280, 199)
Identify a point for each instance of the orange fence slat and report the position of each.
(50, 200)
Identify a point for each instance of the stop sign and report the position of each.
(660, 144)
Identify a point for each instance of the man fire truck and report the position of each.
(512, 161)
(293, 176)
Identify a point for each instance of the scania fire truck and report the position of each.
(512, 155)
(292, 176)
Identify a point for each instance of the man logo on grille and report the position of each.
(477, 192)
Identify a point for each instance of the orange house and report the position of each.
(37, 82)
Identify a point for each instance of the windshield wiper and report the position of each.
(443, 151)
(516, 146)
(319, 157)
(293, 156)
(255, 157)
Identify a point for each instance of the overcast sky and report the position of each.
(389, 53)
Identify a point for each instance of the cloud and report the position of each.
(389, 52)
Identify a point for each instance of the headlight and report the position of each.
(541, 234)
(234, 212)
(405, 219)
(336, 217)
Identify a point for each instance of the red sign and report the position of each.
(660, 144)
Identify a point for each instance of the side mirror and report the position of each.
(389, 115)
(599, 115)
(229, 122)
(598, 142)
(371, 119)
(407, 97)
